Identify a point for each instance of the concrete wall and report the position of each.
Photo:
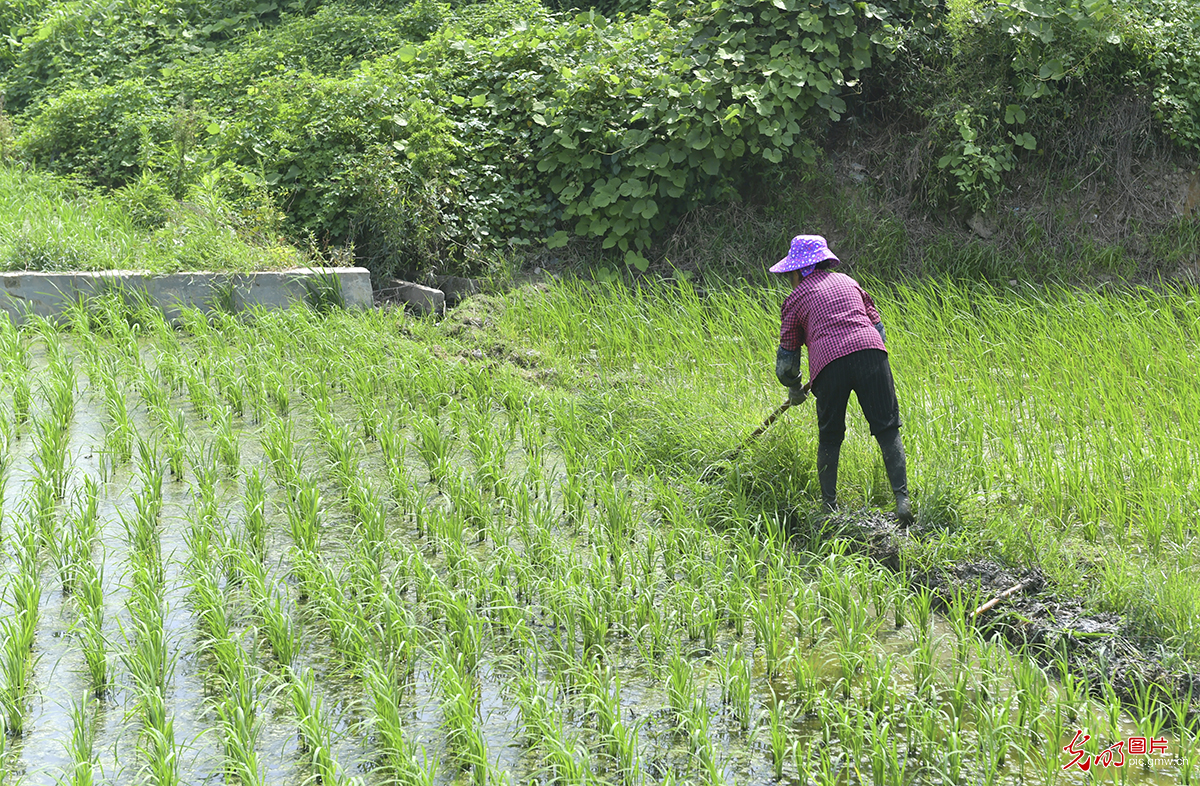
(49, 294)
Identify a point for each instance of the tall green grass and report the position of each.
(48, 223)
(1053, 426)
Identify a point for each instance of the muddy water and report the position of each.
(743, 757)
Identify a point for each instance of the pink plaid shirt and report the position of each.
(831, 314)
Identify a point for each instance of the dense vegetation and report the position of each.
(434, 135)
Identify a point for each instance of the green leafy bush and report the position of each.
(147, 202)
(1172, 41)
(108, 134)
(90, 44)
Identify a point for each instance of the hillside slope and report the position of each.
(431, 136)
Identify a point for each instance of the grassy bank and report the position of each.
(51, 223)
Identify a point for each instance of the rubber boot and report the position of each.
(827, 468)
(896, 465)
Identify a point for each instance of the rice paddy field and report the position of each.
(509, 547)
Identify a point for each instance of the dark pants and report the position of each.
(868, 374)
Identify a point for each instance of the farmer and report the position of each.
(831, 314)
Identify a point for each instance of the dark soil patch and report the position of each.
(1056, 630)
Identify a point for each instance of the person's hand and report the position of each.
(797, 394)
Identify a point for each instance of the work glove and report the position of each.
(787, 367)
(882, 335)
(796, 395)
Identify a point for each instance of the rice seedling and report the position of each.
(681, 686)
(151, 473)
(225, 444)
(304, 518)
(433, 445)
(43, 510)
(95, 653)
(779, 741)
(279, 445)
(84, 769)
(254, 502)
(51, 440)
(398, 753)
(315, 732)
(1033, 691)
(118, 425)
(146, 655)
(567, 761)
(159, 750)
(364, 392)
(994, 725)
(271, 606)
(736, 685)
(175, 443)
(279, 394)
(240, 726)
(22, 388)
(254, 383)
(768, 618)
(228, 379)
(16, 663)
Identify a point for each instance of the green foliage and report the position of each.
(90, 44)
(48, 223)
(148, 204)
(331, 42)
(976, 167)
(14, 15)
(434, 136)
(631, 125)
(1003, 80)
(1172, 33)
(107, 134)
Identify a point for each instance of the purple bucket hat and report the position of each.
(806, 251)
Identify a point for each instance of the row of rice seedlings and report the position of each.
(398, 754)
(238, 687)
(457, 678)
(315, 727)
(318, 584)
(71, 550)
(376, 608)
(19, 627)
(146, 655)
(344, 623)
(17, 370)
(546, 730)
(405, 484)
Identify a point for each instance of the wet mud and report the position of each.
(1055, 629)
